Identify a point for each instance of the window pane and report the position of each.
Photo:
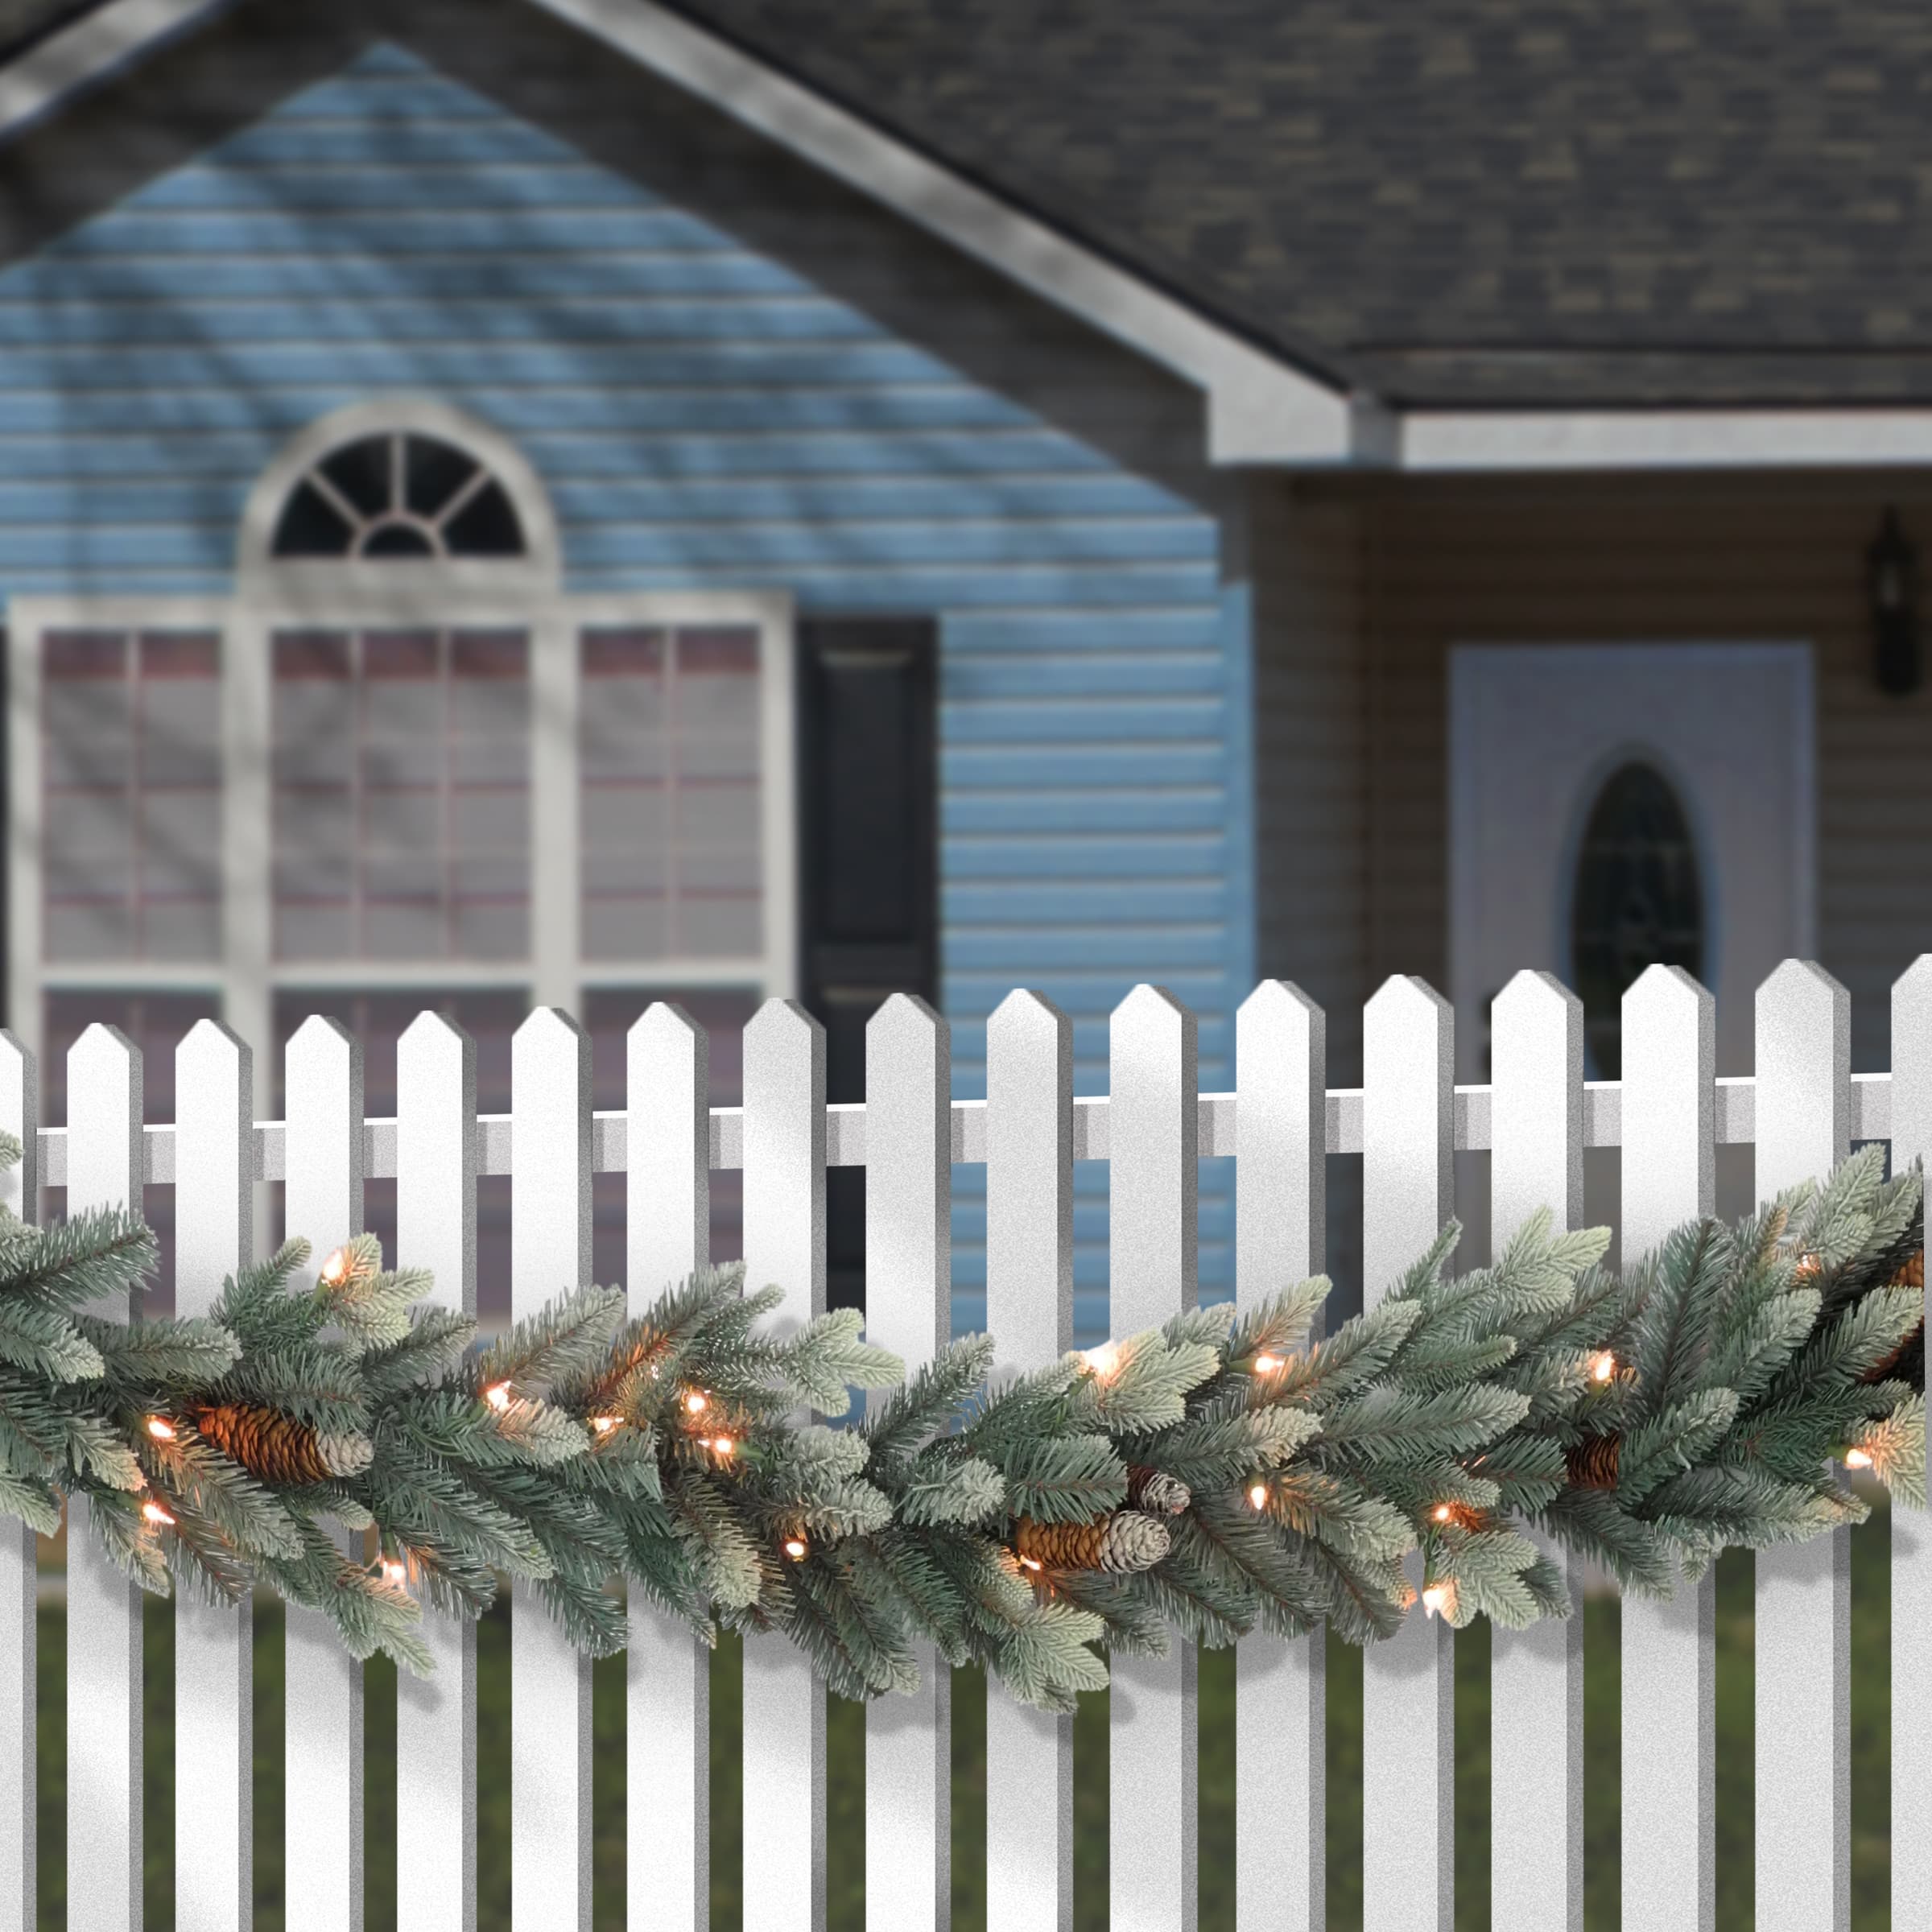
(131, 789)
(402, 782)
(1638, 901)
(671, 809)
(609, 1015)
(378, 1019)
(156, 1022)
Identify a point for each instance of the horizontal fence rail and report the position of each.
(1735, 1115)
(1802, 1110)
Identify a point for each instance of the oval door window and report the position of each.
(1638, 901)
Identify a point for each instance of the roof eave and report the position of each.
(1262, 410)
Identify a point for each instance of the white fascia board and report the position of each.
(91, 50)
(1504, 441)
(1259, 409)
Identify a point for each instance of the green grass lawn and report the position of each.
(1870, 1682)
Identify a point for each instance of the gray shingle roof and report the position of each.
(1520, 202)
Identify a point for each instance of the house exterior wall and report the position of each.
(728, 373)
(1427, 566)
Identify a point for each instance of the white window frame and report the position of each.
(521, 594)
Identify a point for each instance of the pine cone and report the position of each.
(1158, 1494)
(1913, 1275)
(1126, 1541)
(1592, 1463)
(278, 1449)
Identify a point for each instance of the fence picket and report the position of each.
(549, 1677)
(909, 1310)
(103, 1715)
(1536, 1676)
(1911, 1531)
(1408, 1683)
(19, 1191)
(1280, 1226)
(1155, 1160)
(1669, 1715)
(785, 1244)
(1030, 1313)
(668, 1674)
(322, 1757)
(1803, 1661)
(214, 1643)
(436, 1716)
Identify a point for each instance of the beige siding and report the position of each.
(1773, 558)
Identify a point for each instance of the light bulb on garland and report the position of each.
(1858, 1459)
(335, 1270)
(160, 1429)
(1266, 1365)
(1257, 1495)
(697, 1402)
(603, 1424)
(155, 1514)
(1602, 1366)
(497, 1396)
(1436, 1599)
(1102, 1360)
(1442, 1513)
(393, 1572)
(795, 1548)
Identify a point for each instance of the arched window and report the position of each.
(1637, 901)
(398, 495)
(400, 755)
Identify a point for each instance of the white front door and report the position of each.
(1612, 804)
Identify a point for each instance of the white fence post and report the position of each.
(785, 1244)
(1408, 1683)
(1911, 1532)
(103, 1715)
(214, 1645)
(1803, 1662)
(1153, 1182)
(1536, 1676)
(909, 1310)
(19, 1191)
(1281, 1228)
(668, 1673)
(323, 1753)
(549, 1677)
(436, 1716)
(1670, 1868)
(1029, 1313)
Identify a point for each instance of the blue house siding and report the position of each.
(702, 414)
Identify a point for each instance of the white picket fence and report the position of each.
(1803, 1111)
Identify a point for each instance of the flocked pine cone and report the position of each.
(1592, 1463)
(1126, 1541)
(1157, 1493)
(278, 1449)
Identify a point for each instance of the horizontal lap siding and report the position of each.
(705, 412)
(1776, 559)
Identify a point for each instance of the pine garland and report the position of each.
(1215, 1476)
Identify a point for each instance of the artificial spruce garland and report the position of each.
(1210, 1478)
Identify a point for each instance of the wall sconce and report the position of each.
(1891, 580)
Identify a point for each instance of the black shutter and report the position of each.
(868, 853)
